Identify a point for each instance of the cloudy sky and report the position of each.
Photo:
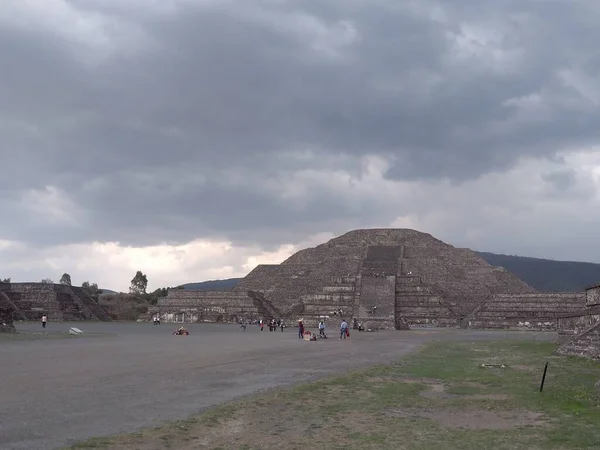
(194, 139)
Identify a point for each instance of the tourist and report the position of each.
(243, 325)
(281, 325)
(300, 329)
(44, 320)
(261, 324)
(343, 329)
(322, 334)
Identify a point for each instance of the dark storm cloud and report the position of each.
(140, 119)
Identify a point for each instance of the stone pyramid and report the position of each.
(386, 278)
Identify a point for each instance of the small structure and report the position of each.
(580, 332)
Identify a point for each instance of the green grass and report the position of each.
(399, 406)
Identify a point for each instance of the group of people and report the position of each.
(302, 332)
(181, 332)
(271, 323)
(156, 320)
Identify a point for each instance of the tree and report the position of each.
(47, 281)
(91, 289)
(139, 283)
(154, 296)
(5, 280)
(65, 279)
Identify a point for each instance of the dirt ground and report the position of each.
(130, 376)
(401, 406)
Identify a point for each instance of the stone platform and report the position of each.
(30, 301)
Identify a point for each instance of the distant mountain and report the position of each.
(545, 275)
(213, 285)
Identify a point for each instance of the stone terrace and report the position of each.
(59, 302)
(190, 306)
(526, 311)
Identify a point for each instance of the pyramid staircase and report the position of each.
(94, 308)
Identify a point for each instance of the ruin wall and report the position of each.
(593, 295)
(585, 344)
(190, 306)
(35, 299)
(575, 323)
(538, 311)
(58, 302)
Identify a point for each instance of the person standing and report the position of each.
(343, 329)
(322, 329)
(300, 329)
(281, 325)
(44, 320)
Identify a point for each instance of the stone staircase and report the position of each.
(377, 305)
(69, 308)
(265, 308)
(93, 307)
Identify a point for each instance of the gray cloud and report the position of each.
(193, 118)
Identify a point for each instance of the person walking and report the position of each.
(343, 329)
(44, 320)
(300, 329)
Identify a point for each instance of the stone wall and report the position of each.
(586, 344)
(526, 311)
(190, 306)
(593, 295)
(575, 323)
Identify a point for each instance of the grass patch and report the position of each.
(438, 398)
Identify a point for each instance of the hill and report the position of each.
(545, 275)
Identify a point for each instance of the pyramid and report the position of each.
(383, 278)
